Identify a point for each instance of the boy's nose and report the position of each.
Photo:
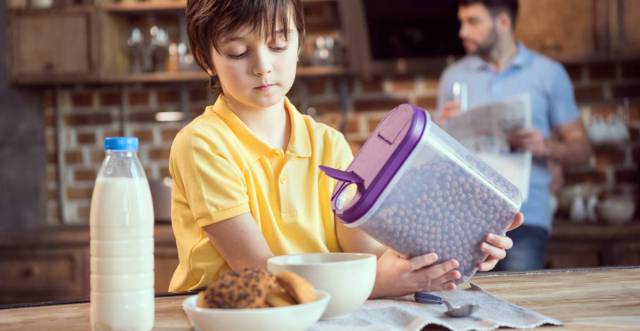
(261, 71)
(262, 65)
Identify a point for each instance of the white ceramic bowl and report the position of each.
(616, 209)
(348, 277)
(295, 317)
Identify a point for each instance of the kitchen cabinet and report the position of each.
(572, 255)
(53, 264)
(625, 39)
(580, 30)
(33, 275)
(72, 44)
(589, 245)
(567, 30)
(48, 45)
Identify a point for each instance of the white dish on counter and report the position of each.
(296, 317)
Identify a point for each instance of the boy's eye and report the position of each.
(280, 48)
(237, 55)
(279, 45)
(235, 50)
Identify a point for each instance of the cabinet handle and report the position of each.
(550, 45)
(30, 271)
(48, 67)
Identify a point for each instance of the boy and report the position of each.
(246, 179)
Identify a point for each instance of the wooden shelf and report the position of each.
(155, 77)
(190, 76)
(160, 77)
(314, 71)
(54, 79)
(156, 6)
(55, 10)
(147, 6)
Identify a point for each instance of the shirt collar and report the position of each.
(299, 141)
(522, 57)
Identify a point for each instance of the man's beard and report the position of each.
(488, 45)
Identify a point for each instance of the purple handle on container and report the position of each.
(345, 176)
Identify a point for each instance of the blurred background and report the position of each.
(73, 72)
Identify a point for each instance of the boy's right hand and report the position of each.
(397, 275)
(450, 109)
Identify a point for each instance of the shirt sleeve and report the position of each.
(563, 108)
(213, 185)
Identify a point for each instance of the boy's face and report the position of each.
(256, 73)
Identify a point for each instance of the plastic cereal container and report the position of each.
(417, 190)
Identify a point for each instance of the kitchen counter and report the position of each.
(52, 263)
(583, 299)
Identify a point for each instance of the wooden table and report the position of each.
(583, 299)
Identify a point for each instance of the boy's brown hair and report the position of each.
(208, 21)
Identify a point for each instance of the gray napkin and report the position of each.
(407, 315)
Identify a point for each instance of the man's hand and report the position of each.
(530, 140)
(496, 246)
(450, 109)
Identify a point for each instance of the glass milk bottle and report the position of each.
(122, 293)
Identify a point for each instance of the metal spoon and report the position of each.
(452, 311)
(460, 311)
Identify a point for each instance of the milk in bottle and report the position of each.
(121, 223)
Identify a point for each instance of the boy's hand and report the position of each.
(397, 275)
(496, 246)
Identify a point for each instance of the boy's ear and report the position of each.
(199, 59)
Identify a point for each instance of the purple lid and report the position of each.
(379, 159)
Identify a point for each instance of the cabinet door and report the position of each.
(49, 44)
(166, 261)
(623, 253)
(571, 254)
(566, 30)
(30, 275)
(624, 29)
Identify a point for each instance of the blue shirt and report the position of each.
(552, 104)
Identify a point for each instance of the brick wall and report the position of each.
(88, 114)
(602, 89)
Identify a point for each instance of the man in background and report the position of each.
(496, 67)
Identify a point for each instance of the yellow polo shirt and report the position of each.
(221, 169)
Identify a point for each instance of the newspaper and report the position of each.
(484, 130)
(404, 314)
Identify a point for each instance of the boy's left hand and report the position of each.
(496, 246)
